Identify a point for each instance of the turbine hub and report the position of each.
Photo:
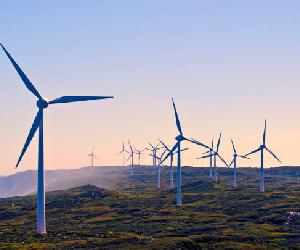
(42, 103)
(179, 138)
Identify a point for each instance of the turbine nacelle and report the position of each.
(179, 138)
(42, 103)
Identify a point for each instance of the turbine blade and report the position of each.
(24, 78)
(264, 134)
(206, 152)
(244, 157)
(130, 146)
(234, 150)
(197, 143)
(151, 146)
(35, 125)
(164, 145)
(271, 152)
(128, 157)
(67, 99)
(205, 156)
(177, 118)
(253, 152)
(161, 156)
(181, 150)
(169, 153)
(231, 163)
(221, 158)
(219, 141)
(185, 149)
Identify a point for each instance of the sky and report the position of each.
(228, 65)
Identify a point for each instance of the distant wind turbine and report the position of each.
(154, 150)
(139, 152)
(122, 152)
(215, 155)
(92, 156)
(131, 156)
(235, 156)
(261, 148)
(167, 149)
(42, 104)
(179, 138)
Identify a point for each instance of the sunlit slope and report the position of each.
(212, 216)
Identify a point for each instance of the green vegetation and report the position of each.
(213, 215)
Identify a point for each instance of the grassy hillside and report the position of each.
(214, 215)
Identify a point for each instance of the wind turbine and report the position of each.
(261, 148)
(93, 156)
(235, 156)
(210, 158)
(167, 149)
(215, 155)
(153, 150)
(122, 152)
(42, 104)
(131, 156)
(139, 153)
(179, 138)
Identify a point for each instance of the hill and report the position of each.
(117, 178)
(213, 215)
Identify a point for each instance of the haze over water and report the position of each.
(228, 66)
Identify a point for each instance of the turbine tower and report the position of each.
(42, 104)
(93, 156)
(261, 148)
(235, 156)
(179, 138)
(167, 149)
(215, 155)
(155, 159)
(154, 150)
(210, 158)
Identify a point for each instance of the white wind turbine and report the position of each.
(167, 149)
(122, 152)
(215, 155)
(139, 152)
(154, 150)
(131, 156)
(92, 156)
(235, 156)
(261, 148)
(42, 104)
(179, 138)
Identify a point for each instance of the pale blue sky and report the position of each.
(228, 64)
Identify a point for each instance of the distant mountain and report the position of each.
(24, 183)
(119, 178)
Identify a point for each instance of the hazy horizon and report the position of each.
(228, 65)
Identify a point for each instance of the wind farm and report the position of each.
(196, 146)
